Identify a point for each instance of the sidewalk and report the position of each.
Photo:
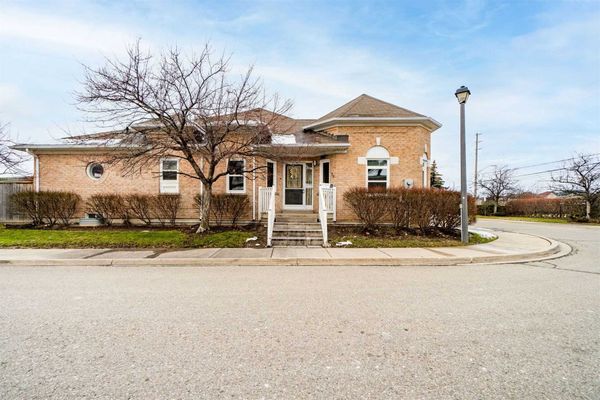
(509, 247)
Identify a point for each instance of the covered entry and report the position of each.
(298, 186)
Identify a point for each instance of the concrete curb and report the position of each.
(555, 249)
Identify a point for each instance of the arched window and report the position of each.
(378, 160)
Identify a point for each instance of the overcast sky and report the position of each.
(533, 66)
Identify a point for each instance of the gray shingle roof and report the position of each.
(367, 106)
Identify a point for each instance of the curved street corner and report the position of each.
(522, 330)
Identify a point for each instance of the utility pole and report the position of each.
(477, 141)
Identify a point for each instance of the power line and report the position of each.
(540, 172)
(541, 164)
(552, 162)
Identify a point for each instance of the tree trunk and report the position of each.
(205, 212)
(588, 209)
(495, 207)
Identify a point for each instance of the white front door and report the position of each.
(298, 186)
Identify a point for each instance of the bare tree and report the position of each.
(9, 159)
(580, 177)
(184, 107)
(499, 185)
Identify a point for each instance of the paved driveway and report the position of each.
(497, 331)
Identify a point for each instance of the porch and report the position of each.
(299, 220)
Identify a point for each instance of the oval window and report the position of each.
(95, 170)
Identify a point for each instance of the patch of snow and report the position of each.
(251, 239)
(342, 244)
(283, 139)
(484, 233)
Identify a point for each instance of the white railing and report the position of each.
(329, 199)
(270, 217)
(264, 194)
(323, 216)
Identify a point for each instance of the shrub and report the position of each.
(46, 206)
(408, 208)
(541, 207)
(369, 207)
(400, 208)
(424, 207)
(64, 206)
(226, 206)
(472, 203)
(164, 207)
(446, 209)
(26, 203)
(140, 206)
(109, 207)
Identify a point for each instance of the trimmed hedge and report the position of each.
(50, 207)
(165, 207)
(405, 209)
(111, 206)
(540, 207)
(225, 207)
(140, 206)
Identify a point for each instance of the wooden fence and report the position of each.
(8, 187)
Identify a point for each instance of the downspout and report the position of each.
(36, 171)
(253, 188)
(37, 174)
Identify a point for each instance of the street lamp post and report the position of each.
(462, 94)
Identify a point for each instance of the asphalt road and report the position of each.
(516, 331)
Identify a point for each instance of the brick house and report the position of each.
(365, 142)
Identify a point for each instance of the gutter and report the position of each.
(427, 121)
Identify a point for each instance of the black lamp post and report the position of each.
(462, 94)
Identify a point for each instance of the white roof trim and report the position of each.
(306, 145)
(62, 146)
(426, 121)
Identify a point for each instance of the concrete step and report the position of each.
(298, 234)
(292, 224)
(297, 227)
(281, 218)
(296, 241)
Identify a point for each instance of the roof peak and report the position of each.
(368, 106)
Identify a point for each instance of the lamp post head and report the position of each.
(462, 94)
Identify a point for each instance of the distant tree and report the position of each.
(581, 177)
(186, 107)
(436, 179)
(9, 159)
(499, 185)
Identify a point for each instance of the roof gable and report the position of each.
(367, 106)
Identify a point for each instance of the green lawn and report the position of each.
(359, 240)
(528, 219)
(137, 238)
(106, 238)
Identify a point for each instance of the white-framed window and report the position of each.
(378, 177)
(378, 168)
(271, 178)
(325, 172)
(169, 175)
(95, 170)
(236, 182)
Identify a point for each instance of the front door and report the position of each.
(298, 186)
